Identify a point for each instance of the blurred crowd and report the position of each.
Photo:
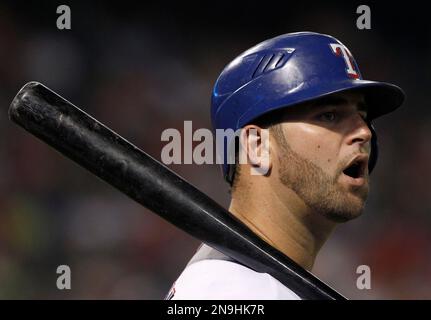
(140, 73)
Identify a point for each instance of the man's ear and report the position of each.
(254, 149)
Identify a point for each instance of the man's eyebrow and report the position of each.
(333, 101)
(362, 106)
(337, 101)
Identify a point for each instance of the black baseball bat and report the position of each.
(106, 154)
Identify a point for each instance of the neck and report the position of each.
(286, 223)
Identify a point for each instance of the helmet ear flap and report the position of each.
(374, 153)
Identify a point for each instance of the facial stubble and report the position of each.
(319, 190)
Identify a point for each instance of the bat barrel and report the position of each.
(113, 159)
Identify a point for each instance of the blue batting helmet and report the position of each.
(287, 70)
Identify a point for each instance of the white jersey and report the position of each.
(212, 276)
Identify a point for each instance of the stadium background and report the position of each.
(141, 68)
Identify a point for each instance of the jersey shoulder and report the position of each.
(227, 280)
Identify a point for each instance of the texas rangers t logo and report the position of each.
(341, 50)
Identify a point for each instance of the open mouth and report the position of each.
(357, 167)
(354, 171)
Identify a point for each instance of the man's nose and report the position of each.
(361, 132)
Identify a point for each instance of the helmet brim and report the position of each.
(380, 97)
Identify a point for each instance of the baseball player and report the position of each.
(306, 90)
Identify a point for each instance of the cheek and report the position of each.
(314, 143)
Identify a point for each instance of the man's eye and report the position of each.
(328, 116)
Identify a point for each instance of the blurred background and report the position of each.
(141, 68)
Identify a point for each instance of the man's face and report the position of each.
(321, 140)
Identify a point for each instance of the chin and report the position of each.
(351, 207)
